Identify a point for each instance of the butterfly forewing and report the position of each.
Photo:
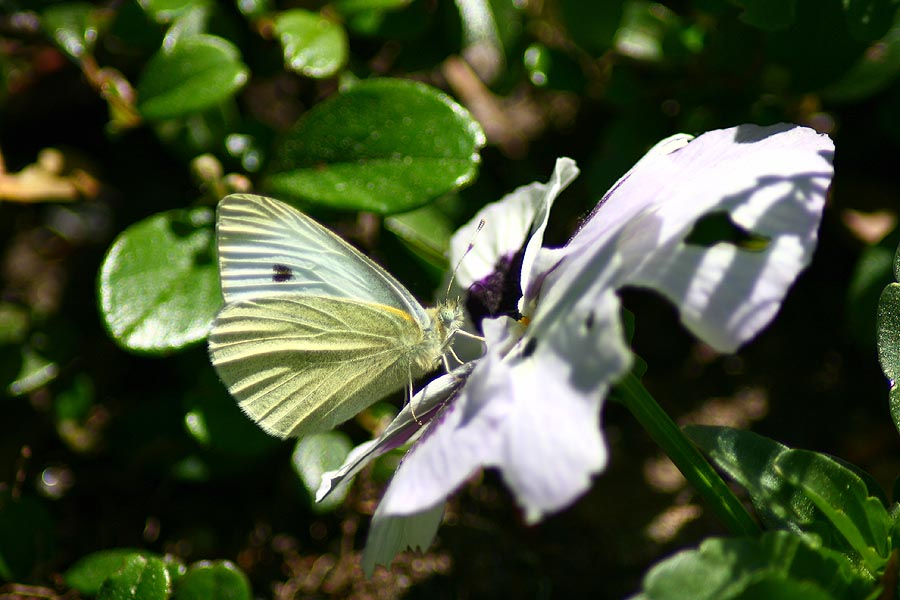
(266, 247)
(301, 364)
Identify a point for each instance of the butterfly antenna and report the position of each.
(465, 254)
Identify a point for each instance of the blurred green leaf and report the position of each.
(844, 500)
(27, 536)
(426, 231)
(73, 26)
(313, 45)
(314, 455)
(14, 323)
(35, 372)
(552, 69)
(166, 11)
(219, 580)
(592, 25)
(351, 7)
(873, 271)
(817, 49)
(254, 9)
(158, 285)
(869, 20)
(384, 146)
(643, 29)
(197, 73)
(214, 419)
(139, 578)
(779, 565)
(74, 402)
(769, 15)
(89, 573)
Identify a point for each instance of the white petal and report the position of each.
(389, 535)
(772, 181)
(519, 217)
(552, 445)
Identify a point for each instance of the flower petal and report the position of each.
(770, 181)
(389, 535)
(519, 217)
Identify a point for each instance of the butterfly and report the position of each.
(312, 331)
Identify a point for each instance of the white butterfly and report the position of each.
(312, 331)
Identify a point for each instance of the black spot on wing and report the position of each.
(281, 273)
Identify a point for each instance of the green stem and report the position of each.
(686, 457)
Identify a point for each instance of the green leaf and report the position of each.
(27, 536)
(139, 578)
(313, 45)
(874, 72)
(73, 26)
(888, 327)
(89, 573)
(552, 69)
(351, 7)
(869, 20)
(158, 285)
(384, 146)
(214, 419)
(426, 231)
(844, 500)
(872, 272)
(219, 580)
(197, 73)
(779, 565)
(749, 459)
(166, 11)
(592, 25)
(768, 15)
(314, 455)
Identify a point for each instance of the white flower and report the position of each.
(531, 406)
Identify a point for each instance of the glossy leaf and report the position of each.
(197, 73)
(220, 580)
(889, 344)
(843, 499)
(316, 454)
(779, 565)
(749, 459)
(165, 11)
(89, 573)
(73, 26)
(159, 288)
(313, 45)
(384, 146)
(139, 578)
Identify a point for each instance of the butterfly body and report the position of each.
(312, 331)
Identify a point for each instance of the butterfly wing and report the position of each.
(302, 364)
(267, 247)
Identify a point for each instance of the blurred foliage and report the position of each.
(122, 123)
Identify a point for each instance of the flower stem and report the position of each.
(686, 457)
